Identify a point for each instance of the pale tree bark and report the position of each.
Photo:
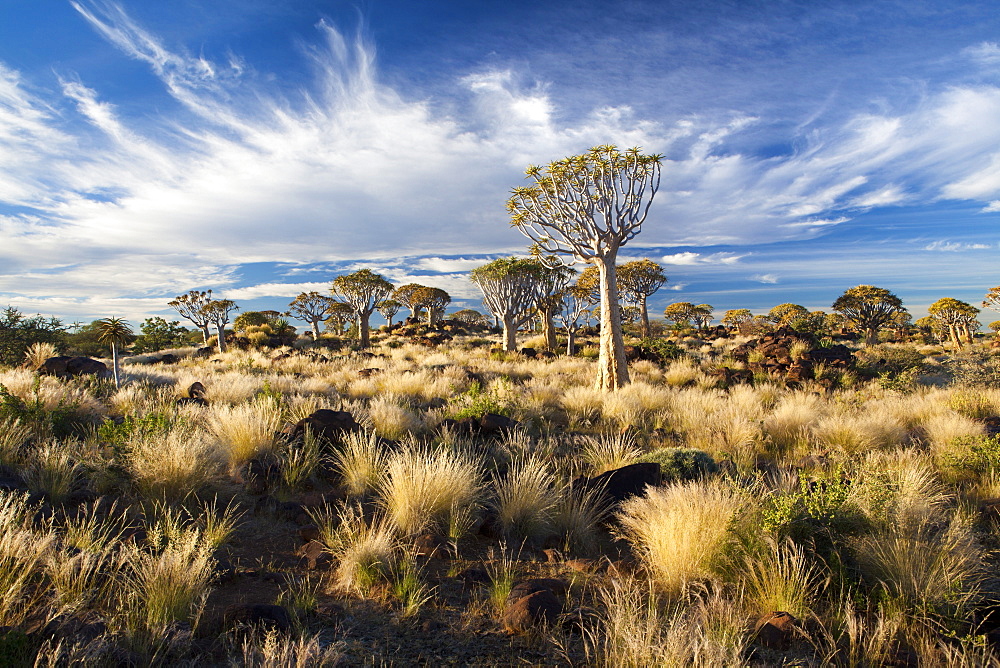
(645, 316)
(612, 370)
(509, 335)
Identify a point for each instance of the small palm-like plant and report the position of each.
(114, 331)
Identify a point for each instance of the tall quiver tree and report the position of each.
(868, 309)
(734, 318)
(219, 312)
(388, 308)
(955, 317)
(586, 207)
(362, 290)
(511, 291)
(191, 306)
(639, 280)
(115, 332)
(312, 307)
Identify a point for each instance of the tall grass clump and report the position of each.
(13, 436)
(526, 498)
(582, 404)
(781, 578)
(610, 451)
(23, 552)
(635, 629)
(681, 531)
(391, 420)
(421, 487)
(360, 462)
(53, 470)
(930, 568)
(171, 465)
(366, 549)
(245, 430)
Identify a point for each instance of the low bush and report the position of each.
(682, 464)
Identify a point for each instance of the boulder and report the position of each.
(430, 546)
(540, 607)
(623, 483)
(775, 630)
(325, 424)
(314, 555)
(68, 367)
(491, 423)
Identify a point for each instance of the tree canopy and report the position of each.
(362, 290)
(868, 308)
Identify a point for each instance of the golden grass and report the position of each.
(172, 465)
(610, 451)
(245, 430)
(680, 531)
(392, 420)
(526, 498)
(421, 487)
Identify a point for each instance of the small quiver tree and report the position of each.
(409, 296)
(219, 312)
(584, 208)
(868, 309)
(638, 280)
(680, 313)
(735, 318)
(191, 306)
(388, 308)
(312, 307)
(576, 303)
(955, 317)
(362, 290)
(435, 300)
(511, 291)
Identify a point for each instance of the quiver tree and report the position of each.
(511, 290)
(992, 302)
(702, 315)
(191, 306)
(576, 302)
(470, 317)
(555, 278)
(435, 300)
(409, 296)
(734, 318)
(338, 315)
(115, 332)
(312, 307)
(585, 208)
(680, 313)
(388, 308)
(638, 280)
(783, 315)
(362, 290)
(218, 312)
(868, 309)
(954, 316)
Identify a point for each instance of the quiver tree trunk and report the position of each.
(509, 335)
(645, 316)
(612, 370)
(549, 328)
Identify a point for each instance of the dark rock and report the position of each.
(368, 373)
(325, 424)
(309, 532)
(775, 630)
(257, 615)
(260, 475)
(529, 352)
(528, 587)
(540, 607)
(314, 554)
(624, 483)
(196, 391)
(62, 366)
(491, 423)
(430, 546)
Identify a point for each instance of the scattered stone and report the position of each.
(474, 576)
(491, 423)
(430, 545)
(325, 424)
(528, 587)
(63, 366)
(775, 630)
(540, 607)
(314, 554)
(552, 556)
(580, 565)
(309, 532)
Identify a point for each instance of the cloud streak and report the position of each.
(101, 205)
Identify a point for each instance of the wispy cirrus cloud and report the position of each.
(955, 246)
(349, 168)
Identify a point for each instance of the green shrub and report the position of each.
(681, 463)
(62, 421)
(661, 349)
(973, 454)
(476, 402)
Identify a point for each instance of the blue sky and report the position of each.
(261, 147)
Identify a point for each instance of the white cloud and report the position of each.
(691, 258)
(290, 290)
(992, 207)
(765, 278)
(953, 246)
(449, 265)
